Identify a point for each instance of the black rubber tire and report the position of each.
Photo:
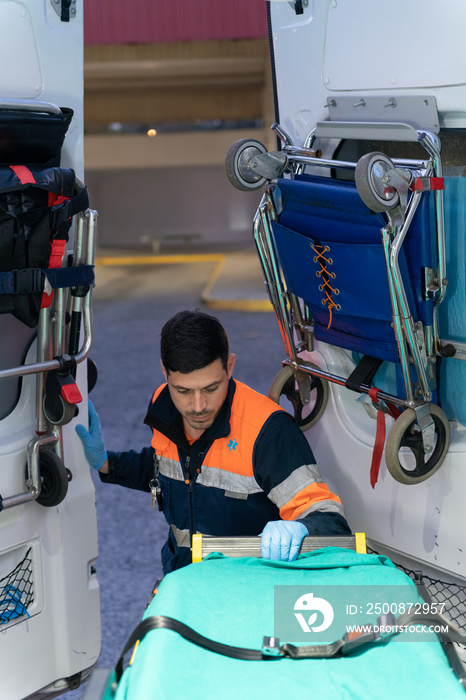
(403, 434)
(58, 411)
(92, 375)
(365, 182)
(236, 164)
(284, 384)
(54, 477)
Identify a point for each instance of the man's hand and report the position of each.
(281, 539)
(92, 440)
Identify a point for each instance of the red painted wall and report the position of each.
(149, 21)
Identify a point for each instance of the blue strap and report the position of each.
(32, 279)
(79, 276)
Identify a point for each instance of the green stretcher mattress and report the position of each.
(237, 601)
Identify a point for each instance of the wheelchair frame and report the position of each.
(250, 167)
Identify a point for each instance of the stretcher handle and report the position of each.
(202, 545)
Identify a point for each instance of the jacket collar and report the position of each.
(164, 417)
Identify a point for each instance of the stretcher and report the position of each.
(212, 631)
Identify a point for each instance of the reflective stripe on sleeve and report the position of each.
(296, 482)
(312, 497)
(325, 507)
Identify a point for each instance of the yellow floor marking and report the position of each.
(211, 302)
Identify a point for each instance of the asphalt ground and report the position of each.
(132, 300)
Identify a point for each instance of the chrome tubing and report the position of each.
(33, 483)
(43, 353)
(310, 138)
(251, 546)
(88, 329)
(322, 162)
(58, 321)
(432, 144)
(272, 284)
(402, 302)
(267, 210)
(47, 365)
(341, 381)
(397, 325)
(299, 156)
(85, 251)
(281, 133)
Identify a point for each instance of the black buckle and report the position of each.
(60, 214)
(28, 281)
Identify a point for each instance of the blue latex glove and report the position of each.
(281, 539)
(92, 439)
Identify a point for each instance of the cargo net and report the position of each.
(17, 591)
(450, 597)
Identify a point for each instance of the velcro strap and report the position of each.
(63, 212)
(79, 276)
(379, 439)
(425, 184)
(363, 373)
(23, 174)
(32, 279)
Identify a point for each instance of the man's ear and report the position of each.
(230, 364)
(164, 370)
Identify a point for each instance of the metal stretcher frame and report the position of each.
(418, 344)
(47, 435)
(203, 545)
(51, 341)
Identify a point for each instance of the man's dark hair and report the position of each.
(192, 340)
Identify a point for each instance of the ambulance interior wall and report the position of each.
(193, 207)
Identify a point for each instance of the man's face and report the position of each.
(199, 395)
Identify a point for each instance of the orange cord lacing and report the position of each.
(325, 276)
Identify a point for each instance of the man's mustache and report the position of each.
(193, 414)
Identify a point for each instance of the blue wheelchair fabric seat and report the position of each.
(330, 250)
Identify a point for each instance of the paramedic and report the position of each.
(225, 460)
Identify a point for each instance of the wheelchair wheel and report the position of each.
(92, 374)
(375, 194)
(413, 464)
(285, 385)
(237, 167)
(57, 411)
(54, 477)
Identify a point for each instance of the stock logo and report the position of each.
(312, 607)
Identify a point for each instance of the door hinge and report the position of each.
(65, 9)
